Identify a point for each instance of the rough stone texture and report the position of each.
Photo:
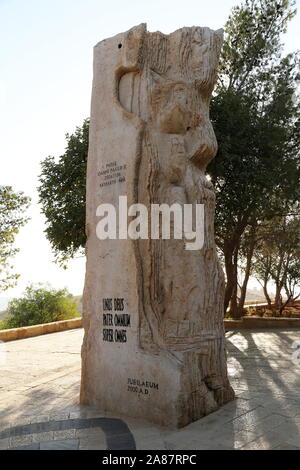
(151, 140)
(37, 330)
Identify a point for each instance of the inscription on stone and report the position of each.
(141, 386)
(111, 173)
(114, 320)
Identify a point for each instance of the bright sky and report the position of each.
(45, 85)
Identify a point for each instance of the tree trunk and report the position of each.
(287, 291)
(234, 310)
(230, 250)
(277, 295)
(284, 304)
(279, 282)
(247, 270)
(229, 268)
(265, 289)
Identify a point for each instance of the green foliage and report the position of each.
(257, 168)
(62, 196)
(252, 41)
(256, 117)
(39, 305)
(277, 255)
(12, 208)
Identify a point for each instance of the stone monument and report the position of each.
(154, 344)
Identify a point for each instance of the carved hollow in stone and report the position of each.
(150, 120)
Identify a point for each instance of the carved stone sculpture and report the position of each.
(154, 343)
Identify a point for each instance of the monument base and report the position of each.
(169, 388)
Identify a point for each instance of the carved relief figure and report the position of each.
(181, 292)
(150, 111)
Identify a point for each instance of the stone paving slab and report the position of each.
(39, 389)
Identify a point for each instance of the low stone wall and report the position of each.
(258, 323)
(37, 330)
(245, 322)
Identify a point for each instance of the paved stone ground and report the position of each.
(39, 387)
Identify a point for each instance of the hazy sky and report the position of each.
(45, 85)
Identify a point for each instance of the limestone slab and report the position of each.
(154, 345)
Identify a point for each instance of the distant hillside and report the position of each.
(2, 315)
(255, 294)
(3, 303)
(78, 299)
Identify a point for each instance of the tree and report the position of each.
(247, 247)
(292, 280)
(12, 218)
(256, 173)
(277, 257)
(256, 120)
(62, 196)
(40, 304)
